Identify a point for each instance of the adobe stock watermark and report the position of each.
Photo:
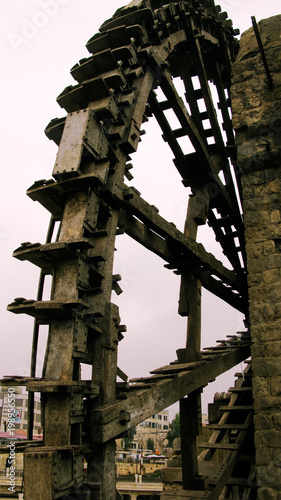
(30, 26)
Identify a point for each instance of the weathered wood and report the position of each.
(183, 495)
(190, 422)
(105, 420)
(147, 214)
(220, 446)
(168, 250)
(169, 136)
(91, 201)
(200, 66)
(237, 408)
(229, 427)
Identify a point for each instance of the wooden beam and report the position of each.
(169, 136)
(132, 202)
(142, 234)
(200, 66)
(190, 423)
(206, 163)
(112, 420)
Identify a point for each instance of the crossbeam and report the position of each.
(142, 222)
(109, 421)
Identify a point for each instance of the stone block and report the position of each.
(273, 187)
(277, 311)
(276, 419)
(267, 404)
(271, 276)
(263, 456)
(263, 422)
(267, 367)
(275, 217)
(261, 386)
(260, 249)
(262, 312)
(254, 279)
(268, 439)
(263, 332)
(267, 476)
(267, 350)
(277, 459)
(274, 293)
(256, 219)
(270, 232)
(267, 494)
(275, 386)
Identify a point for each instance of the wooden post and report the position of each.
(190, 423)
(190, 305)
(190, 292)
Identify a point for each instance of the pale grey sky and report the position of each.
(40, 41)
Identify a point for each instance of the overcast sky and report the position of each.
(41, 41)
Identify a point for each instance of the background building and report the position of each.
(21, 410)
(152, 433)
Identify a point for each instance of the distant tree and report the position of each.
(174, 430)
(150, 444)
(128, 440)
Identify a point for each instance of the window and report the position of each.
(165, 427)
(159, 417)
(165, 417)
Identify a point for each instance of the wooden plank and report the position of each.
(200, 66)
(220, 446)
(237, 408)
(142, 234)
(220, 290)
(169, 136)
(240, 389)
(183, 495)
(230, 427)
(189, 427)
(178, 367)
(106, 419)
(206, 162)
(227, 244)
(241, 481)
(156, 378)
(190, 289)
(196, 115)
(134, 204)
(167, 251)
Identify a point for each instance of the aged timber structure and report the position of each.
(144, 47)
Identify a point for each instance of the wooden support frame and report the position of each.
(106, 111)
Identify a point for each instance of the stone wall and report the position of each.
(126, 468)
(257, 121)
